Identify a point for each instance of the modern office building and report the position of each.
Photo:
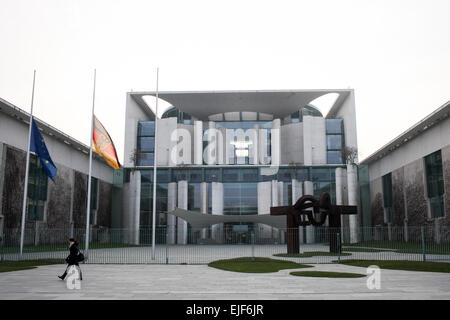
(409, 177)
(60, 205)
(236, 153)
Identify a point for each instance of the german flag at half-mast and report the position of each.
(103, 145)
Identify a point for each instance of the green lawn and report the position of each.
(362, 250)
(64, 247)
(404, 247)
(256, 265)
(327, 274)
(309, 254)
(401, 265)
(7, 266)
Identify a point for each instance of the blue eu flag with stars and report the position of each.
(37, 145)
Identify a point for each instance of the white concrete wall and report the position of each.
(204, 204)
(314, 140)
(264, 204)
(433, 139)
(133, 114)
(198, 142)
(182, 233)
(15, 133)
(165, 145)
(309, 190)
(291, 136)
(353, 197)
(347, 111)
(217, 209)
(131, 208)
(172, 197)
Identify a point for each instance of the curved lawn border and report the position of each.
(255, 265)
(309, 254)
(327, 274)
(404, 265)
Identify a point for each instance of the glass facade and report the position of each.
(182, 117)
(240, 187)
(335, 140)
(145, 143)
(307, 110)
(388, 197)
(435, 183)
(37, 190)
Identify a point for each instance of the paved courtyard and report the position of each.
(175, 282)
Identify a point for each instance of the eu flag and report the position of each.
(37, 145)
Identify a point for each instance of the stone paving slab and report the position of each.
(178, 282)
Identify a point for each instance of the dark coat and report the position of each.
(72, 258)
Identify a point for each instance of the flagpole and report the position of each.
(154, 170)
(25, 185)
(88, 210)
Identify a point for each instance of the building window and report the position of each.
(37, 190)
(194, 199)
(435, 183)
(335, 140)
(387, 197)
(94, 201)
(145, 143)
(240, 198)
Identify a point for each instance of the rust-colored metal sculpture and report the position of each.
(322, 207)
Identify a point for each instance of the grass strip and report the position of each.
(309, 254)
(425, 266)
(327, 274)
(8, 266)
(256, 265)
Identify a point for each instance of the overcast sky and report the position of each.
(395, 54)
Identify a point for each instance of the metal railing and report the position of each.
(202, 246)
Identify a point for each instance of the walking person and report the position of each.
(73, 258)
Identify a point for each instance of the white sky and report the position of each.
(395, 54)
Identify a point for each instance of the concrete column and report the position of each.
(352, 181)
(198, 142)
(131, 206)
(264, 204)
(297, 192)
(221, 145)
(253, 146)
(341, 178)
(307, 140)
(275, 142)
(217, 209)
(137, 206)
(204, 204)
(263, 135)
(256, 144)
(182, 204)
(172, 195)
(309, 190)
(211, 156)
(277, 233)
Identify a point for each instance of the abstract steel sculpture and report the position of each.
(322, 206)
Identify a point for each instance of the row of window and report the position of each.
(233, 175)
(146, 140)
(335, 140)
(38, 188)
(434, 187)
(238, 198)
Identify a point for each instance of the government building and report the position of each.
(236, 153)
